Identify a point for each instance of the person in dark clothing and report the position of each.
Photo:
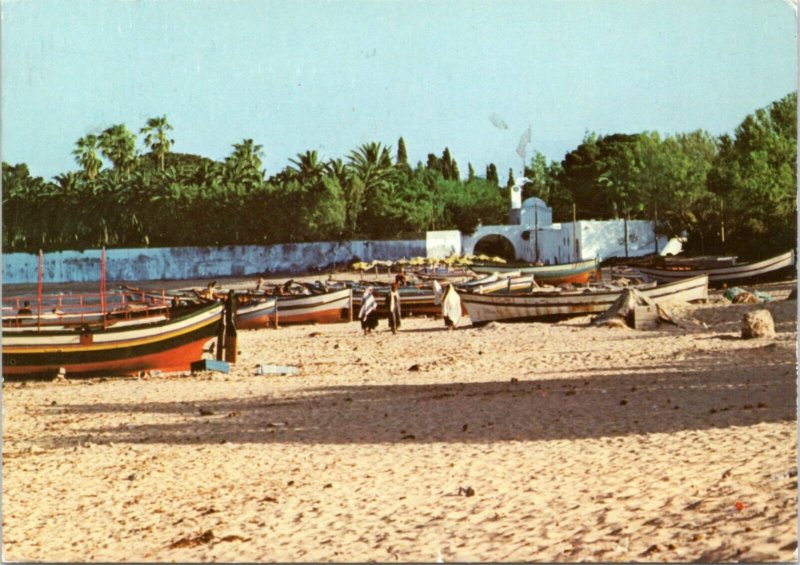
(368, 315)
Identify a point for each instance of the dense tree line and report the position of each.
(732, 194)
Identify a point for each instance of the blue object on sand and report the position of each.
(210, 365)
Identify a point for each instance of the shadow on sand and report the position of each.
(699, 392)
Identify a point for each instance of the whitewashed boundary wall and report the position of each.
(556, 243)
(604, 239)
(170, 263)
(443, 243)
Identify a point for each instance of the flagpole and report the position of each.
(103, 285)
(39, 280)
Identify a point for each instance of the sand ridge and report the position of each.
(511, 442)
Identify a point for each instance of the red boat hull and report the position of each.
(167, 346)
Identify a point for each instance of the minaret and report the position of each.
(516, 201)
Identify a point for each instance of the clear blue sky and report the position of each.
(330, 75)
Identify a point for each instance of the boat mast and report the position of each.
(574, 235)
(103, 285)
(39, 280)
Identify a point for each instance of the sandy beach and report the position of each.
(511, 442)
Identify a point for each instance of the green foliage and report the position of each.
(742, 187)
(754, 178)
(491, 174)
(85, 153)
(118, 145)
(402, 154)
(156, 137)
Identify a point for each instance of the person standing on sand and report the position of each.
(451, 307)
(369, 311)
(393, 305)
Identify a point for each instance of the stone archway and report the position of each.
(495, 245)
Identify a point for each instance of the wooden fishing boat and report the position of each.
(256, 313)
(575, 273)
(253, 310)
(722, 274)
(498, 306)
(325, 308)
(454, 275)
(518, 283)
(414, 301)
(72, 310)
(123, 348)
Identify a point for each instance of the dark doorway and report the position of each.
(495, 245)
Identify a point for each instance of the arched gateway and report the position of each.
(495, 245)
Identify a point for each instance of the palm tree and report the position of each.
(337, 169)
(243, 166)
(307, 166)
(156, 137)
(246, 153)
(372, 173)
(118, 145)
(372, 164)
(86, 155)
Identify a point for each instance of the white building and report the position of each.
(532, 236)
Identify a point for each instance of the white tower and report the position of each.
(516, 200)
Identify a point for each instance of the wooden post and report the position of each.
(350, 318)
(220, 338)
(625, 223)
(230, 328)
(655, 225)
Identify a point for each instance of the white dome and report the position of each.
(533, 201)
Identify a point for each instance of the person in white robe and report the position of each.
(393, 305)
(451, 307)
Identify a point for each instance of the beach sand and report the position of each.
(511, 442)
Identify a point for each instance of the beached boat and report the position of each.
(516, 283)
(484, 308)
(325, 308)
(721, 274)
(121, 348)
(85, 310)
(414, 301)
(450, 275)
(253, 310)
(256, 313)
(575, 273)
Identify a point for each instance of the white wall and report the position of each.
(201, 262)
(556, 243)
(440, 244)
(604, 239)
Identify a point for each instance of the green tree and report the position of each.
(243, 166)
(510, 182)
(491, 174)
(118, 145)
(156, 137)
(372, 174)
(402, 155)
(754, 176)
(85, 153)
